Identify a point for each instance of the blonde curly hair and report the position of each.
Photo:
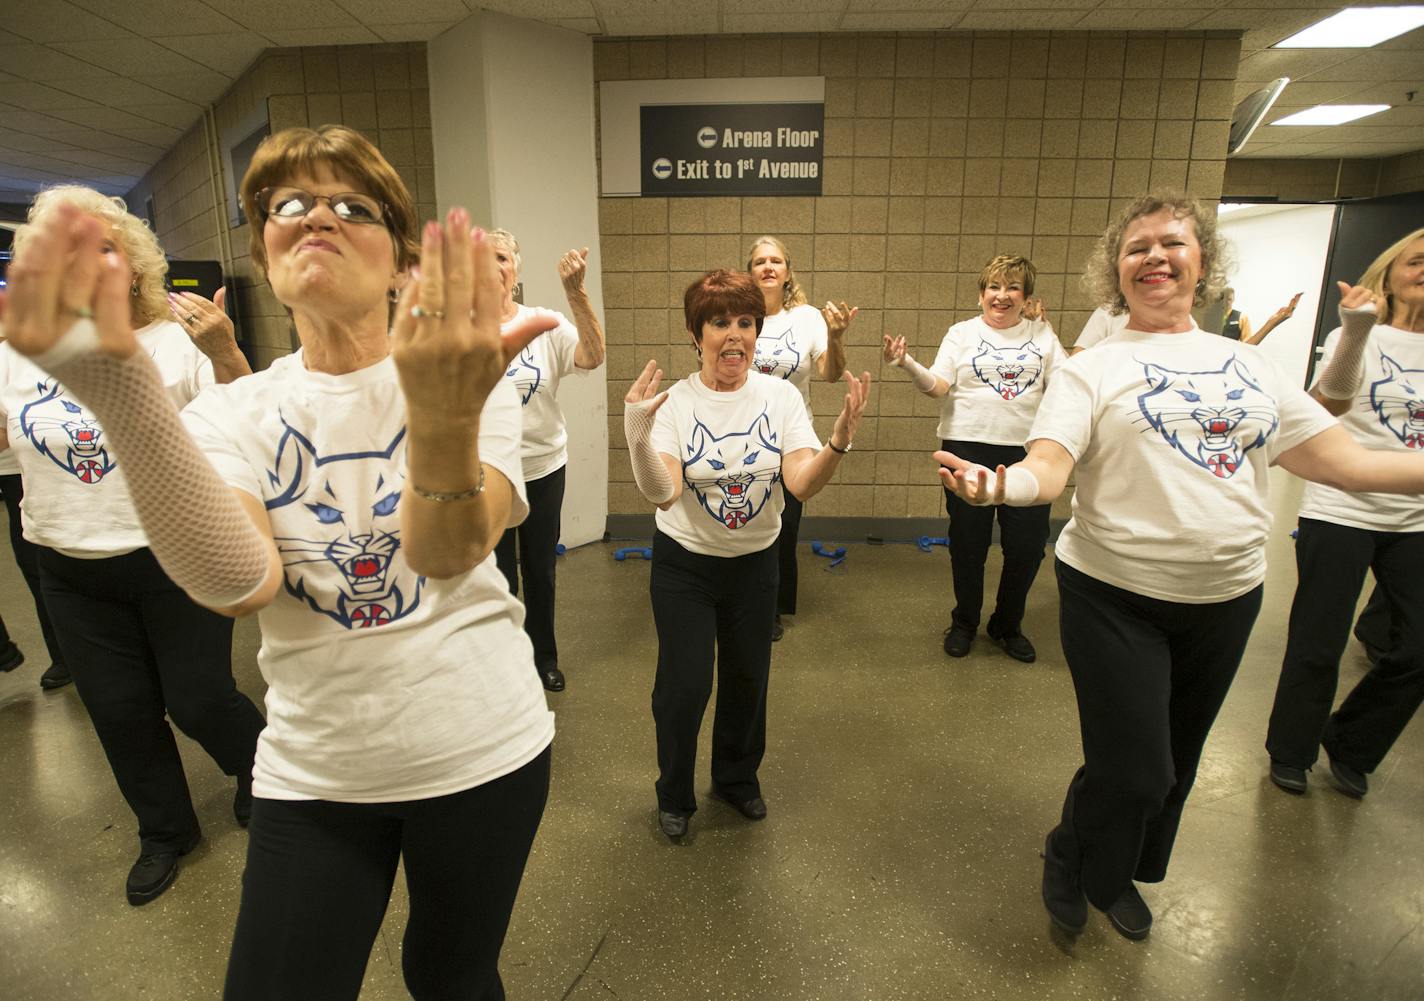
(1100, 276)
(149, 301)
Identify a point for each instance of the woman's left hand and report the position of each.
(205, 321)
(838, 318)
(857, 395)
(446, 341)
(572, 267)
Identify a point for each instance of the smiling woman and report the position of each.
(1169, 432)
(709, 453)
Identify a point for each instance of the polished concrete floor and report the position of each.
(909, 795)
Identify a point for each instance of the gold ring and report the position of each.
(83, 312)
(192, 317)
(416, 312)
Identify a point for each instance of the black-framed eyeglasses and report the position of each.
(286, 203)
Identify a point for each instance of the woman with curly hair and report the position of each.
(1170, 432)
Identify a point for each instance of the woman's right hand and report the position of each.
(60, 277)
(1359, 297)
(970, 481)
(894, 349)
(645, 388)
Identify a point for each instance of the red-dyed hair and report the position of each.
(722, 293)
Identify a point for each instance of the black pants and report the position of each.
(1374, 626)
(1023, 532)
(1332, 561)
(1150, 677)
(786, 552)
(139, 648)
(711, 609)
(27, 559)
(319, 877)
(538, 538)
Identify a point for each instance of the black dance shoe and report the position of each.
(752, 809)
(674, 825)
(1015, 644)
(1130, 915)
(958, 639)
(152, 874)
(1063, 892)
(55, 676)
(242, 802)
(1348, 780)
(10, 657)
(552, 678)
(1288, 777)
(777, 629)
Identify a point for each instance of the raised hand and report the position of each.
(971, 481)
(857, 395)
(1033, 309)
(572, 268)
(894, 349)
(204, 321)
(1286, 311)
(838, 318)
(446, 342)
(1357, 297)
(645, 388)
(61, 277)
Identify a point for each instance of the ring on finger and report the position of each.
(82, 312)
(417, 312)
(191, 317)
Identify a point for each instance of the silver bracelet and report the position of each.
(443, 496)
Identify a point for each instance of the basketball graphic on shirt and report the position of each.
(733, 474)
(1211, 417)
(777, 355)
(336, 521)
(526, 375)
(64, 433)
(1008, 371)
(1396, 401)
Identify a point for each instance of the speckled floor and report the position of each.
(909, 795)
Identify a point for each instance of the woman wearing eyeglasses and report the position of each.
(352, 498)
(140, 650)
(536, 371)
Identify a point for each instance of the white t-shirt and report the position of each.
(1100, 326)
(996, 379)
(730, 446)
(76, 500)
(1388, 414)
(383, 685)
(9, 462)
(535, 373)
(1172, 435)
(790, 344)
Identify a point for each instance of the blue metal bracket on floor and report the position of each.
(642, 552)
(837, 556)
(926, 541)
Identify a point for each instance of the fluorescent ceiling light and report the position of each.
(1331, 114)
(1356, 28)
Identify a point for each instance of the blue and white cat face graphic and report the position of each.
(1396, 401)
(62, 432)
(1008, 371)
(527, 375)
(337, 524)
(1212, 417)
(733, 474)
(778, 355)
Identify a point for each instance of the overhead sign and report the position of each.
(732, 149)
(677, 138)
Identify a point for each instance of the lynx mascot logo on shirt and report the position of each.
(1395, 400)
(338, 547)
(526, 375)
(78, 450)
(1008, 371)
(722, 470)
(1213, 417)
(778, 357)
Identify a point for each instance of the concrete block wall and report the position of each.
(941, 151)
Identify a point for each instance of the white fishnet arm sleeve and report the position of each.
(196, 527)
(1342, 377)
(649, 472)
(922, 377)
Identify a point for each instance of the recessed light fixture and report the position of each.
(1331, 114)
(1356, 28)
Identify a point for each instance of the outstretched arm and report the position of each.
(69, 313)
(1336, 459)
(1276, 319)
(1038, 479)
(924, 380)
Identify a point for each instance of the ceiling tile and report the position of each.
(1121, 18)
(117, 92)
(121, 55)
(180, 116)
(199, 86)
(1020, 20)
(792, 8)
(901, 20)
(1294, 63)
(777, 21)
(268, 16)
(537, 9)
(346, 34)
(1374, 64)
(651, 24)
(116, 121)
(418, 31)
(39, 62)
(587, 25)
(41, 97)
(378, 12)
(229, 53)
(166, 17)
(57, 21)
